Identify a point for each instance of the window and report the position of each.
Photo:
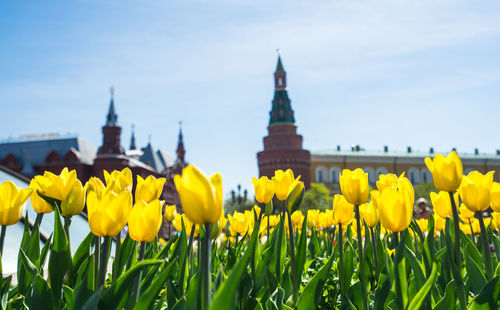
(319, 178)
(335, 177)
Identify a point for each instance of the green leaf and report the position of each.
(419, 298)
(489, 297)
(23, 277)
(43, 254)
(85, 288)
(60, 258)
(147, 298)
(81, 254)
(301, 254)
(39, 295)
(476, 278)
(28, 264)
(225, 297)
(382, 291)
(449, 300)
(311, 294)
(112, 296)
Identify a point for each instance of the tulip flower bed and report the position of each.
(367, 252)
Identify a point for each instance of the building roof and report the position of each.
(32, 151)
(412, 154)
(158, 160)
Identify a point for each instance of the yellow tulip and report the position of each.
(326, 219)
(496, 218)
(170, 212)
(201, 198)
(439, 223)
(297, 219)
(446, 171)
(145, 220)
(354, 186)
(94, 184)
(465, 214)
(108, 214)
(149, 189)
(264, 189)
(387, 180)
(64, 187)
(495, 196)
(423, 224)
(475, 190)
(187, 224)
(238, 223)
(395, 206)
(12, 202)
(38, 203)
(312, 218)
(295, 195)
(282, 181)
(120, 180)
(343, 211)
(369, 213)
(442, 204)
(218, 227)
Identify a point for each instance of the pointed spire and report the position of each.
(112, 117)
(132, 139)
(279, 67)
(180, 146)
(281, 111)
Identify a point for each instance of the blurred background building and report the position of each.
(34, 154)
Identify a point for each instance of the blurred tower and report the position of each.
(283, 146)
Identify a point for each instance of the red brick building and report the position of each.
(33, 155)
(283, 146)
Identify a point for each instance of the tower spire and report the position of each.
(281, 111)
(112, 117)
(132, 139)
(180, 146)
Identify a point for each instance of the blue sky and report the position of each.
(399, 73)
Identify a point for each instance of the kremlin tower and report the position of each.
(283, 146)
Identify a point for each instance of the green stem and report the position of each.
(399, 292)
(341, 262)
(268, 235)
(361, 259)
(97, 258)
(375, 256)
(188, 256)
(456, 221)
(67, 222)
(137, 284)
(292, 257)
(205, 269)
(486, 248)
(38, 220)
(472, 232)
(2, 238)
(104, 261)
(116, 261)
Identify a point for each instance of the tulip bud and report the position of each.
(264, 189)
(119, 180)
(269, 208)
(354, 186)
(295, 195)
(201, 198)
(446, 171)
(475, 190)
(145, 220)
(343, 211)
(442, 204)
(170, 212)
(282, 181)
(39, 204)
(149, 189)
(12, 202)
(109, 213)
(369, 213)
(495, 196)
